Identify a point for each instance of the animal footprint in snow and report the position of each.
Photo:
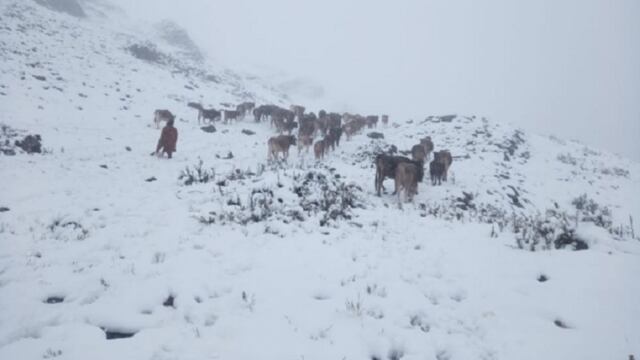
(418, 321)
(458, 296)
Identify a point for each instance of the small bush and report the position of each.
(567, 159)
(590, 211)
(67, 230)
(147, 52)
(328, 195)
(197, 174)
(554, 230)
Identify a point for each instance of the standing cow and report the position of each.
(280, 144)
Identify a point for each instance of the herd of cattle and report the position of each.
(327, 128)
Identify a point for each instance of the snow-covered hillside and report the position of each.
(107, 252)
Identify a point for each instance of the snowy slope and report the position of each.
(101, 238)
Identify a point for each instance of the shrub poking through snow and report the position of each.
(296, 196)
(553, 230)
(197, 174)
(590, 211)
(147, 52)
(67, 230)
(320, 193)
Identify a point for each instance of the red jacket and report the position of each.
(168, 139)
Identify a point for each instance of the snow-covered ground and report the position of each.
(100, 239)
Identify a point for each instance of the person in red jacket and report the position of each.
(168, 140)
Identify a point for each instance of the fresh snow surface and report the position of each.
(126, 255)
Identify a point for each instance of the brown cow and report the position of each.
(329, 142)
(428, 145)
(231, 115)
(335, 120)
(245, 108)
(444, 157)
(297, 110)
(307, 125)
(372, 121)
(264, 112)
(386, 168)
(304, 141)
(407, 179)
(162, 115)
(350, 129)
(280, 144)
(318, 149)
(208, 114)
(418, 153)
(320, 126)
(385, 120)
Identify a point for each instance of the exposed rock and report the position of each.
(30, 144)
(208, 129)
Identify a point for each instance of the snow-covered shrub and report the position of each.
(553, 230)
(567, 159)
(616, 171)
(354, 307)
(512, 144)
(295, 197)
(147, 52)
(67, 230)
(328, 195)
(590, 211)
(197, 174)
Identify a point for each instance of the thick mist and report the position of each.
(569, 68)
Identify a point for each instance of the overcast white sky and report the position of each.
(564, 67)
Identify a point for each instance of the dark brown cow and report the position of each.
(372, 121)
(418, 153)
(386, 168)
(436, 171)
(406, 178)
(329, 142)
(208, 114)
(280, 144)
(307, 125)
(385, 120)
(444, 157)
(264, 112)
(335, 120)
(231, 115)
(336, 134)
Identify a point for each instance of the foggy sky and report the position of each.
(568, 67)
